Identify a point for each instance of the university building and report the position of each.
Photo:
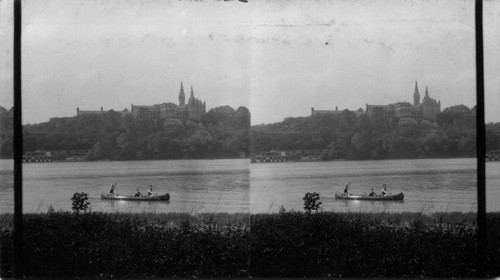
(428, 109)
(324, 112)
(89, 112)
(192, 110)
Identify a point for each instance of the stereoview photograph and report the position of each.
(247, 139)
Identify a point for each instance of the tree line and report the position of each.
(222, 132)
(225, 132)
(357, 135)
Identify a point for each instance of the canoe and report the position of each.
(399, 196)
(165, 197)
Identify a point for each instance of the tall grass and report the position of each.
(369, 245)
(288, 244)
(166, 220)
(175, 220)
(62, 244)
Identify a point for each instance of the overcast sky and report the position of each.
(279, 58)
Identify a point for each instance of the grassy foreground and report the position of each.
(288, 244)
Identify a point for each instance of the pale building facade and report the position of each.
(427, 109)
(192, 110)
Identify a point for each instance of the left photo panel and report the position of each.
(130, 107)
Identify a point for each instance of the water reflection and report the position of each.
(362, 205)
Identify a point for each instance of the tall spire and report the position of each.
(192, 94)
(416, 95)
(182, 97)
(426, 99)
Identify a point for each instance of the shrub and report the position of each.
(311, 202)
(80, 202)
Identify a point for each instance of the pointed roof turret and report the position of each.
(416, 95)
(426, 99)
(182, 97)
(192, 94)
(182, 90)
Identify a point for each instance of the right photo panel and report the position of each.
(363, 139)
(371, 105)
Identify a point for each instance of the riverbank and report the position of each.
(249, 157)
(287, 244)
(378, 159)
(145, 159)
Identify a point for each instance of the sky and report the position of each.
(279, 58)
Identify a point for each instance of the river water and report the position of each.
(195, 186)
(429, 185)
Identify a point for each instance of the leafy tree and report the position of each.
(492, 136)
(173, 128)
(95, 152)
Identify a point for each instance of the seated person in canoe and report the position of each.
(150, 190)
(138, 193)
(384, 190)
(372, 193)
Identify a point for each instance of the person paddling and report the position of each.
(346, 189)
(384, 190)
(112, 190)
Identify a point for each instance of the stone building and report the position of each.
(427, 109)
(324, 112)
(98, 112)
(89, 112)
(192, 110)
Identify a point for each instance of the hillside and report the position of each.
(357, 135)
(223, 132)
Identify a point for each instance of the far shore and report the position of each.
(212, 158)
(381, 159)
